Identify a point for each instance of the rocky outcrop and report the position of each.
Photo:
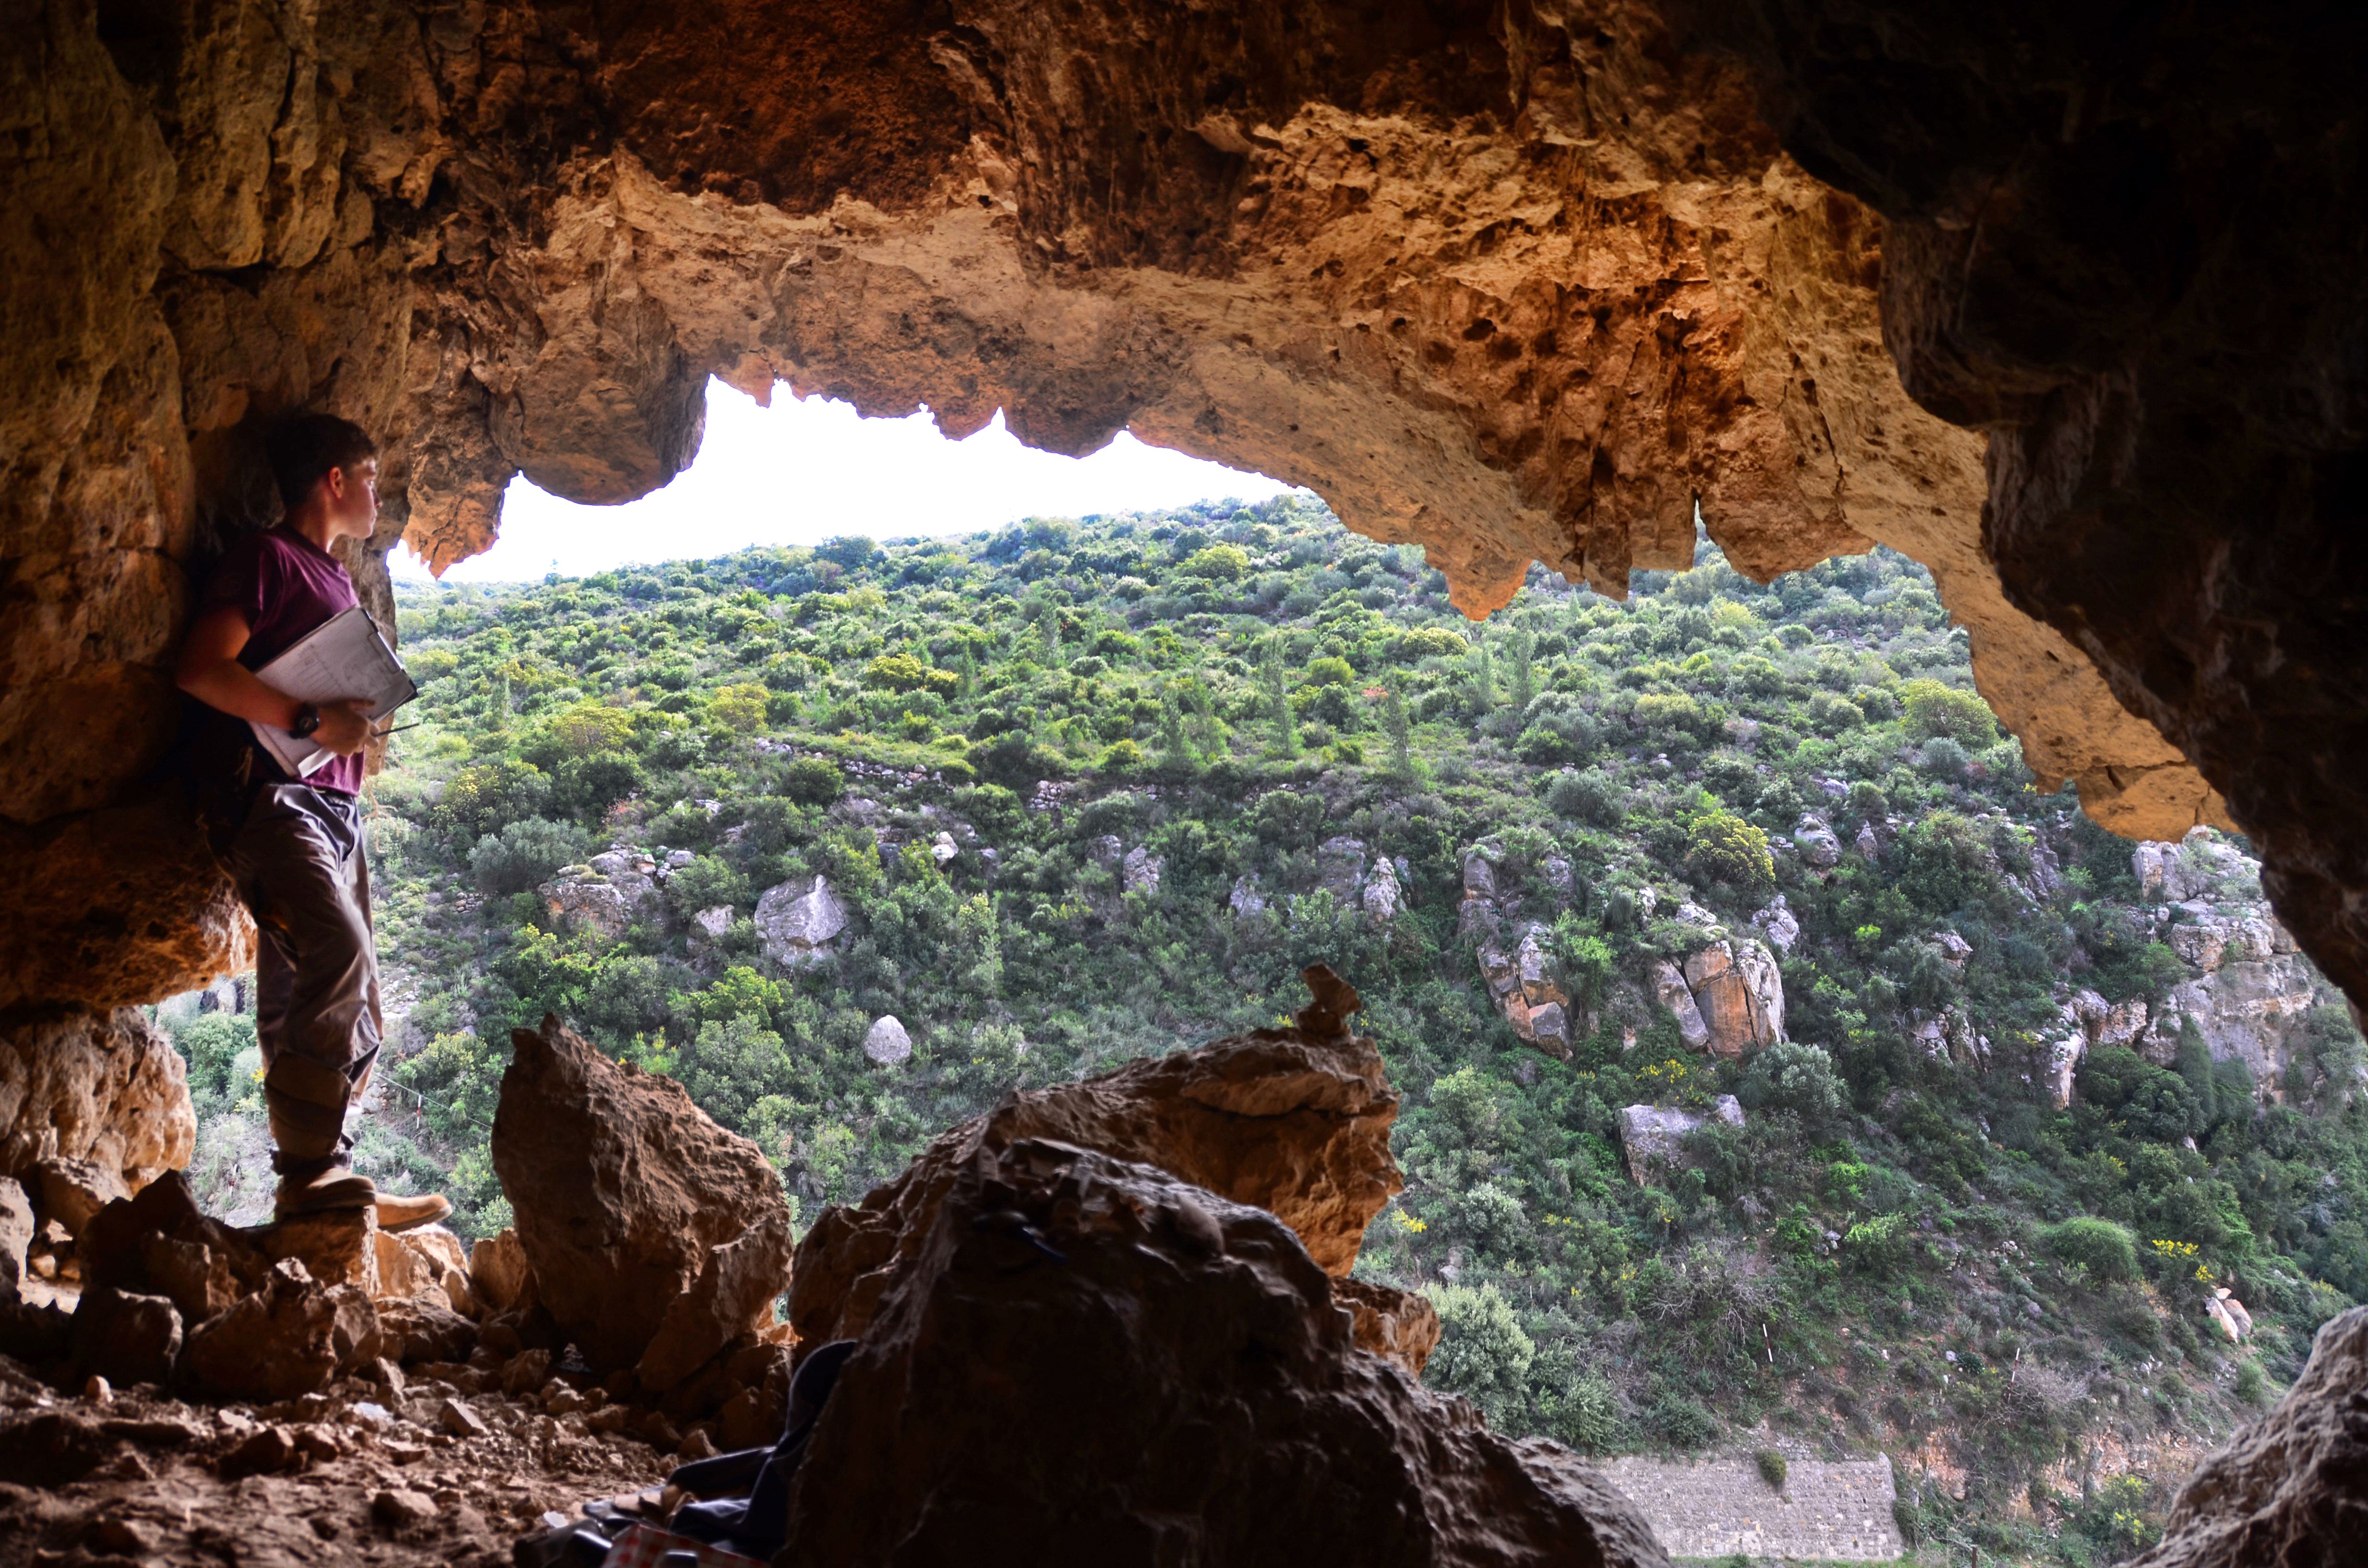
(1295, 1122)
(2288, 1488)
(1654, 1135)
(1739, 995)
(1191, 1345)
(798, 921)
(622, 1191)
(615, 889)
(1521, 984)
(1728, 998)
(106, 1089)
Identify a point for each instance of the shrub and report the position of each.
(1773, 1468)
(1681, 1422)
(1329, 671)
(739, 708)
(210, 1043)
(1590, 796)
(1483, 1354)
(524, 854)
(2107, 1251)
(1943, 758)
(1722, 847)
(1945, 712)
(813, 781)
(1796, 1078)
(901, 671)
(2252, 1386)
(1219, 564)
(1428, 642)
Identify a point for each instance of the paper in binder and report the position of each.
(341, 659)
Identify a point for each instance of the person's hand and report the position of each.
(344, 727)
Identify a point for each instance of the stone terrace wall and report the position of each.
(1830, 1512)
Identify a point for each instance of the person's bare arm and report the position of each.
(210, 671)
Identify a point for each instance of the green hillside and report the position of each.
(1085, 792)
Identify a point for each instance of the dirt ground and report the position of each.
(356, 1474)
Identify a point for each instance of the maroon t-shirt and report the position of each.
(285, 585)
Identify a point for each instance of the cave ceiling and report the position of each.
(1516, 284)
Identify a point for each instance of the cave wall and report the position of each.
(1513, 285)
(2127, 242)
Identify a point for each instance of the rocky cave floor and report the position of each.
(448, 1469)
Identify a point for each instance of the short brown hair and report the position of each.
(305, 446)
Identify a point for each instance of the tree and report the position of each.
(1480, 680)
(1274, 686)
(1522, 686)
(1483, 1354)
(1172, 744)
(1395, 725)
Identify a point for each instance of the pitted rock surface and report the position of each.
(1212, 1405)
(622, 1189)
(1296, 1121)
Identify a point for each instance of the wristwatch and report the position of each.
(308, 719)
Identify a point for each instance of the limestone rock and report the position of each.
(1293, 1120)
(732, 1297)
(885, 1043)
(71, 1191)
(1479, 876)
(276, 1343)
(418, 1328)
(1869, 846)
(500, 1274)
(1397, 1325)
(337, 1248)
(1522, 986)
(608, 895)
(16, 1235)
(620, 1187)
(1817, 842)
(1141, 871)
(797, 923)
(712, 923)
(109, 1089)
(1247, 901)
(1739, 993)
(1778, 923)
(1162, 1281)
(1653, 1134)
(1381, 897)
(126, 1338)
(2287, 1488)
(1341, 868)
(1669, 989)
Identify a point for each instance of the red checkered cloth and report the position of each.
(646, 1546)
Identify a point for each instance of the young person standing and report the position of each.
(295, 845)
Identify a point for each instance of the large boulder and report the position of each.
(1295, 1122)
(887, 1043)
(1654, 1135)
(621, 1189)
(1739, 994)
(16, 1235)
(105, 1087)
(1669, 989)
(1116, 1367)
(798, 921)
(2291, 1487)
(274, 1343)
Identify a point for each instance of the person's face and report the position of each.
(353, 498)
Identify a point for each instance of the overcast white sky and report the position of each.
(804, 471)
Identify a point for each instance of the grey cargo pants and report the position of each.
(298, 861)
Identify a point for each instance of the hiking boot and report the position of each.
(324, 1190)
(396, 1213)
